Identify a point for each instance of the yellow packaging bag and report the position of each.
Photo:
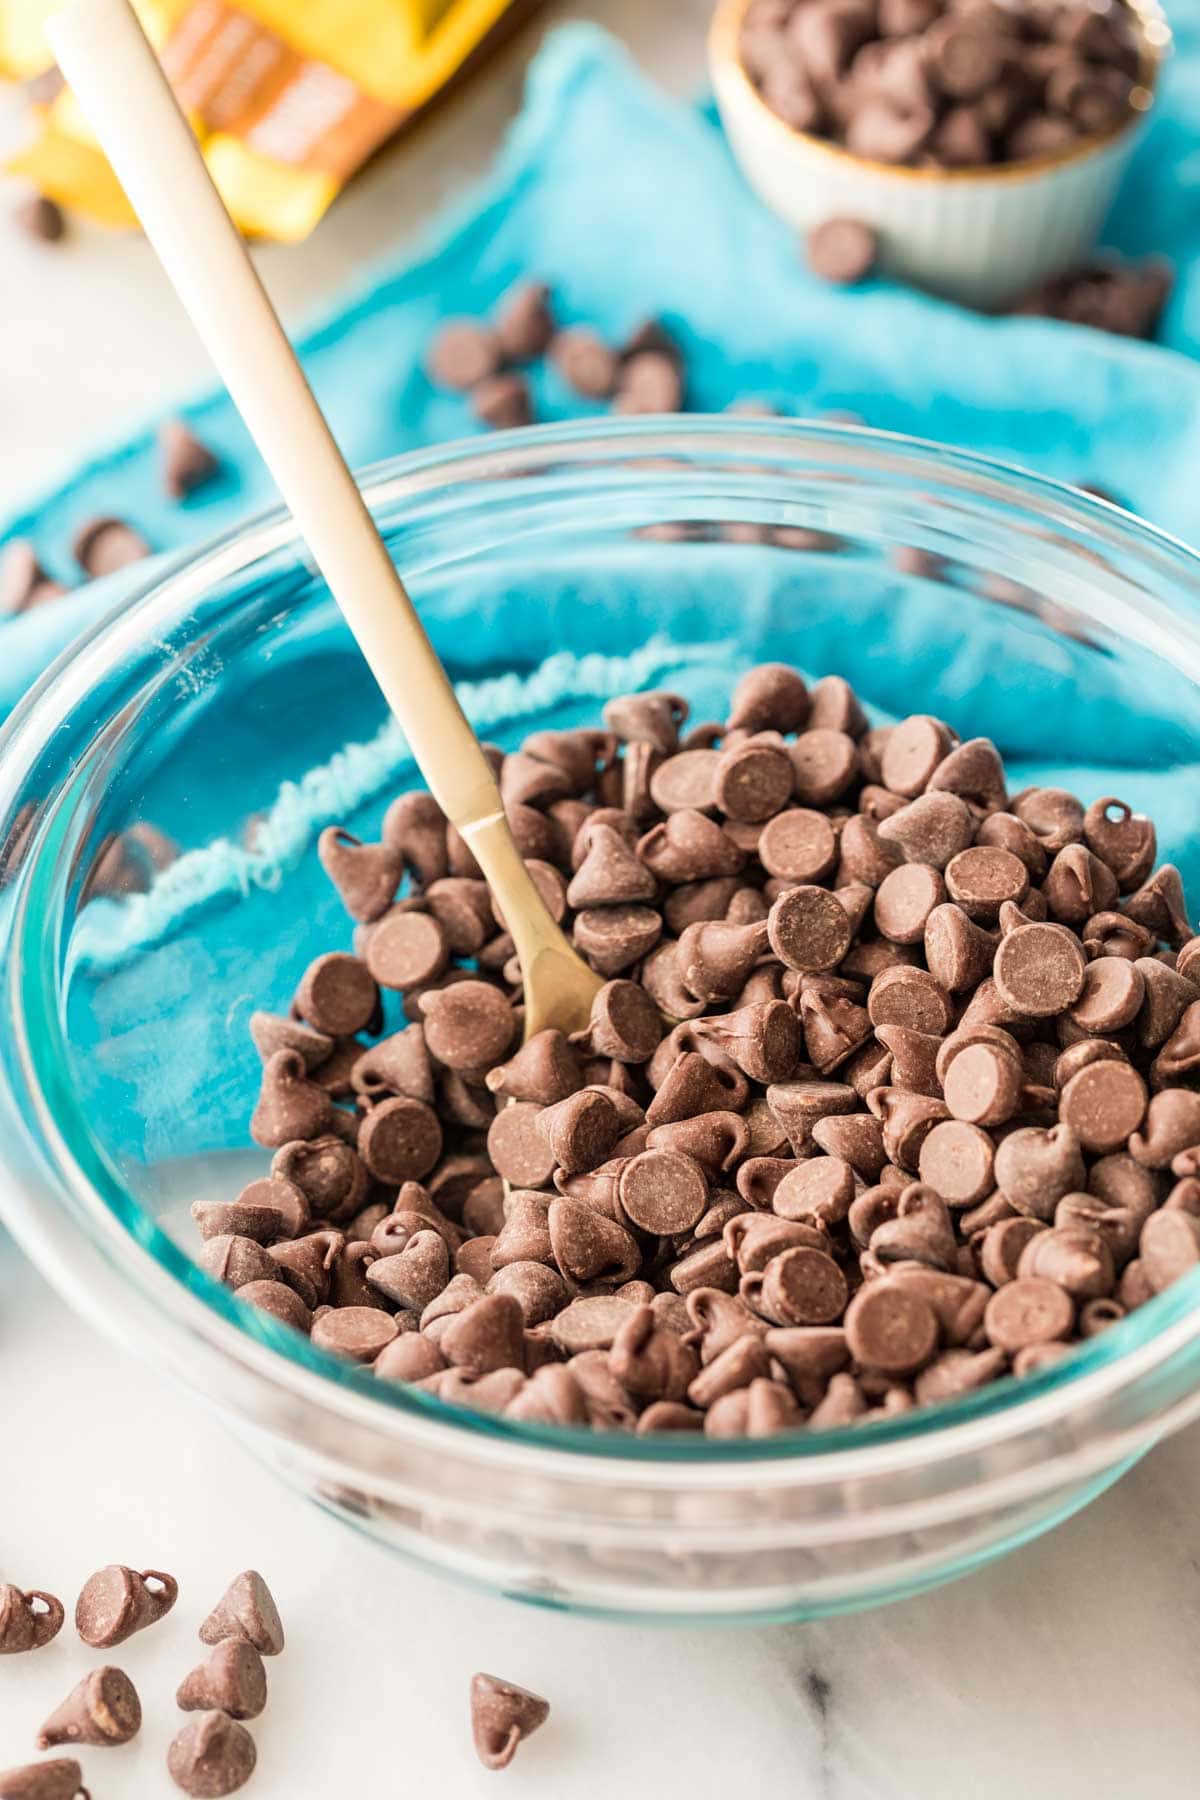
(288, 97)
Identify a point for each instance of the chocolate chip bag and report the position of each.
(288, 97)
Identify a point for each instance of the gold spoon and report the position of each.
(124, 94)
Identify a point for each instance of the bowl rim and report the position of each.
(232, 1332)
(732, 82)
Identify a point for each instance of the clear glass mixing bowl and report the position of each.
(938, 581)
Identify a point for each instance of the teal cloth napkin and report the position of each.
(629, 204)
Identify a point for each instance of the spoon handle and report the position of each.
(120, 85)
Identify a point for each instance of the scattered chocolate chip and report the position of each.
(24, 583)
(116, 1601)
(59, 1779)
(503, 1714)
(843, 251)
(186, 463)
(586, 362)
(502, 401)
(212, 1757)
(464, 353)
(41, 218)
(231, 1680)
(29, 1619)
(246, 1611)
(102, 1709)
(102, 546)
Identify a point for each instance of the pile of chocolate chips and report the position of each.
(482, 358)
(214, 1755)
(888, 1091)
(944, 83)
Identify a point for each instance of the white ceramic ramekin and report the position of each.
(981, 236)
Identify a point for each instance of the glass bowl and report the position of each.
(226, 706)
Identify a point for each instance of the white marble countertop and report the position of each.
(1066, 1672)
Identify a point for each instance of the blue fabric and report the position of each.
(629, 205)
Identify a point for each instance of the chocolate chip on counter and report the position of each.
(59, 1779)
(212, 1757)
(102, 1709)
(116, 1601)
(186, 463)
(246, 1612)
(843, 251)
(41, 218)
(231, 1680)
(29, 1619)
(102, 546)
(502, 1715)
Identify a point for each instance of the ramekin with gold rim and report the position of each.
(980, 236)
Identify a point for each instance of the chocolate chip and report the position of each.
(1028, 1311)
(232, 1680)
(585, 362)
(41, 218)
(890, 1328)
(663, 1192)
(1039, 970)
(502, 1715)
(502, 401)
(809, 929)
(116, 1601)
(186, 463)
(649, 382)
(102, 546)
(824, 762)
(337, 994)
(24, 583)
(464, 353)
(102, 1709)
(211, 1757)
(843, 251)
(525, 322)
(246, 1612)
(59, 1779)
(28, 1619)
(1104, 1104)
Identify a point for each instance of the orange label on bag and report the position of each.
(240, 78)
(288, 97)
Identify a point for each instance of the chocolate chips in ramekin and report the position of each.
(888, 1093)
(945, 83)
